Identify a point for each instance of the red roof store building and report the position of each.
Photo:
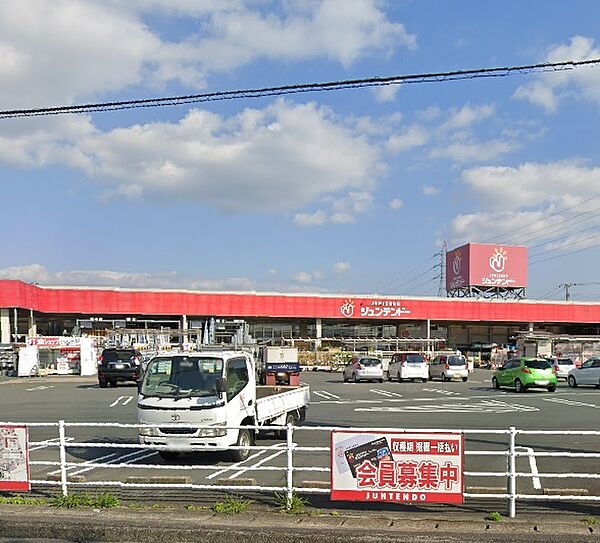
(27, 310)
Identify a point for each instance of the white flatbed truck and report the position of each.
(216, 390)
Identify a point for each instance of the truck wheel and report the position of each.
(168, 455)
(290, 418)
(465, 379)
(244, 440)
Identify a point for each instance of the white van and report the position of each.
(447, 367)
(408, 366)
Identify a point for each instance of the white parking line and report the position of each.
(137, 455)
(483, 406)
(48, 443)
(111, 455)
(571, 403)
(537, 484)
(41, 387)
(326, 395)
(442, 391)
(126, 400)
(238, 464)
(386, 393)
(262, 461)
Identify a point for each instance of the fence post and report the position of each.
(290, 466)
(512, 478)
(63, 456)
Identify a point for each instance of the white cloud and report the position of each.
(278, 159)
(539, 94)
(429, 190)
(474, 151)
(303, 277)
(531, 184)
(413, 136)
(386, 93)
(316, 218)
(584, 82)
(348, 208)
(549, 206)
(59, 52)
(38, 274)
(467, 115)
(341, 267)
(396, 203)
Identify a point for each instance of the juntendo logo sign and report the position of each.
(347, 308)
(456, 264)
(498, 259)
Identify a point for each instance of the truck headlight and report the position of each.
(148, 431)
(213, 432)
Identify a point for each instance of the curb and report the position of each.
(122, 524)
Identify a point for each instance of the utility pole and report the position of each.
(442, 269)
(442, 266)
(567, 287)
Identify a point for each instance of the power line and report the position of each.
(435, 77)
(557, 212)
(564, 254)
(411, 270)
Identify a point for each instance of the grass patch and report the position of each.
(232, 505)
(297, 505)
(22, 500)
(494, 516)
(192, 507)
(591, 521)
(72, 501)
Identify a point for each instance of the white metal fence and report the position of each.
(292, 466)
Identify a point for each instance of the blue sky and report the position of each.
(348, 191)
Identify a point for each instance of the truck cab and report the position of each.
(201, 398)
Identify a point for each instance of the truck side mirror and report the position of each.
(221, 385)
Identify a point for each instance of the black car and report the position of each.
(117, 365)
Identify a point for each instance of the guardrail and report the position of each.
(292, 449)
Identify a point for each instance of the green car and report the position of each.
(523, 373)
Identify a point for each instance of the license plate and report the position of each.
(120, 366)
(543, 383)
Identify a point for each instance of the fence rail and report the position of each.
(291, 449)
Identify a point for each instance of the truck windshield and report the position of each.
(182, 376)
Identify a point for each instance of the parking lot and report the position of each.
(432, 405)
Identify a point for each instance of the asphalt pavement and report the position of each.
(410, 405)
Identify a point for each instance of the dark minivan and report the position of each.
(118, 365)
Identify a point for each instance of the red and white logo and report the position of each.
(347, 308)
(498, 259)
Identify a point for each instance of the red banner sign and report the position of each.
(486, 265)
(397, 467)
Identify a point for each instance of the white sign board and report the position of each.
(14, 458)
(397, 466)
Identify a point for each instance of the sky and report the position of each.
(350, 191)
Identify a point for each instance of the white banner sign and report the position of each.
(397, 466)
(14, 458)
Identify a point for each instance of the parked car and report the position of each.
(523, 373)
(364, 368)
(447, 367)
(587, 374)
(408, 366)
(561, 366)
(119, 365)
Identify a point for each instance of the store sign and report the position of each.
(53, 341)
(373, 309)
(14, 458)
(486, 265)
(397, 467)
